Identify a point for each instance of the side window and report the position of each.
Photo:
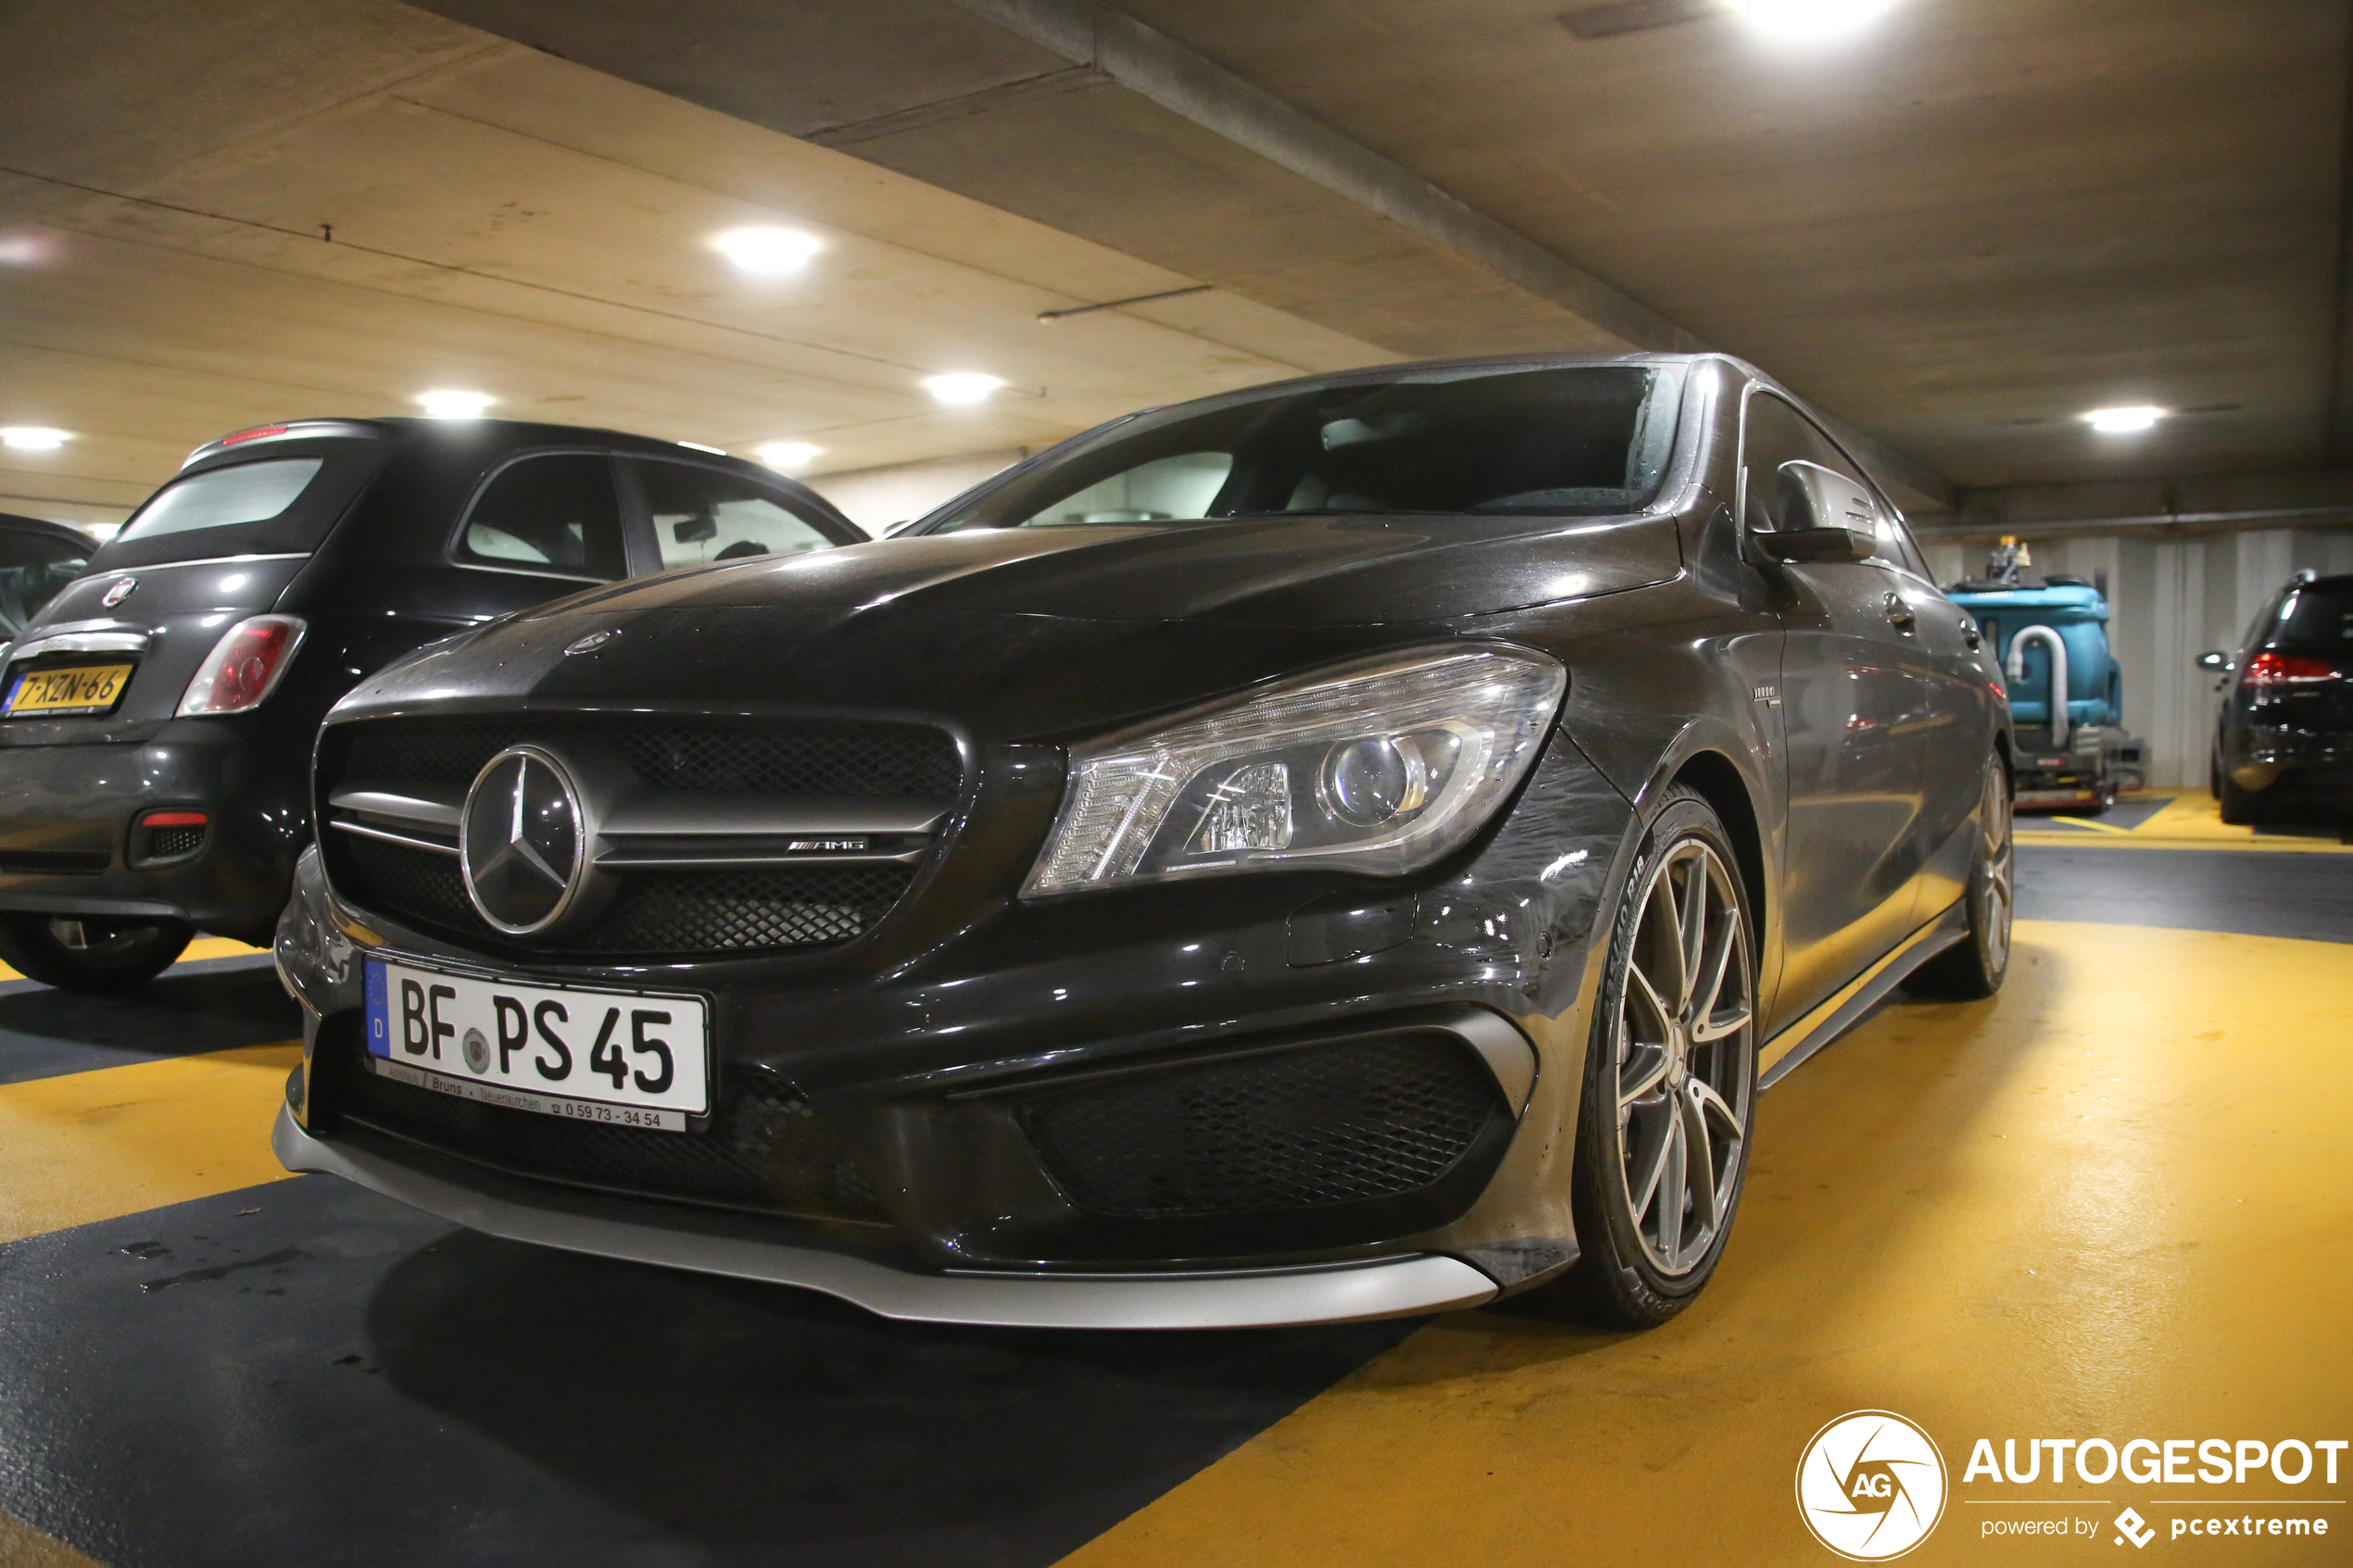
(1772, 434)
(555, 514)
(709, 515)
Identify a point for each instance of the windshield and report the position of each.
(1581, 440)
(2317, 615)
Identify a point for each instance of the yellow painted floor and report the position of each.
(2111, 1203)
(2190, 818)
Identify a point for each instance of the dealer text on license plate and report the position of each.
(84, 689)
(623, 1059)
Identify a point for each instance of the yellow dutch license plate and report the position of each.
(83, 689)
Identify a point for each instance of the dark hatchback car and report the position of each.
(2283, 737)
(157, 717)
(1345, 848)
(36, 560)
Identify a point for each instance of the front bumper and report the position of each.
(713, 1244)
(68, 843)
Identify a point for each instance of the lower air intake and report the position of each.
(1301, 1128)
(764, 1150)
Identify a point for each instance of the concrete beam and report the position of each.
(2212, 503)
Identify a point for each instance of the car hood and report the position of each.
(1022, 632)
(1277, 571)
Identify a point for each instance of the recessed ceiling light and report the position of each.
(767, 250)
(2130, 421)
(961, 387)
(699, 447)
(33, 438)
(1807, 20)
(788, 454)
(454, 405)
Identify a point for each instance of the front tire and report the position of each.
(93, 953)
(1974, 968)
(1671, 1077)
(2239, 807)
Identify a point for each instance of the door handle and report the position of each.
(1899, 614)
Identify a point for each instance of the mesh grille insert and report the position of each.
(901, 761)
(723, 909)
(764, 1149)
(1337, 1123)
(167, 843)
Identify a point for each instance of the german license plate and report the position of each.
(625, 1059)
(90, 689)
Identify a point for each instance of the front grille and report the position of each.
(900, 761)
(654, 912)
(53, 863)
(1318, 1125)
(763, 1150)
(722, 910)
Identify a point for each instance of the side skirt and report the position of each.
(1781, 1054)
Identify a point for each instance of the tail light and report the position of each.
(2270, 669)
(244, 666)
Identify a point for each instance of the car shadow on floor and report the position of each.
(748, 1416)
(44, 1033)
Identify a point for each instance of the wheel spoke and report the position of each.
(1719, 1026)
(1661, 924)
(1718, 1110)
(1691, 937)
(1652, 1072)
(1638, 985)
(1640, 1194)
(1713, 969)
(1699, 1160)
(1672, 1163)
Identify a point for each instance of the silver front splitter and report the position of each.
(1261, 1299)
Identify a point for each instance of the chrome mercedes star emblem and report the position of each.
(520, 843)
(116, 592)
(592, 641)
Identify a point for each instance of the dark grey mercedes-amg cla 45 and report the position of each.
(1345, 848)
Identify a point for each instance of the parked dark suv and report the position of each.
(157, 717)
(2283, 740)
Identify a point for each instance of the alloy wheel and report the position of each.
(2000, 874)
(1685, 1033)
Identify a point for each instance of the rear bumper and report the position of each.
(718, 1245)
(67, 814)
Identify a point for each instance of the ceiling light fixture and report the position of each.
(767, 250)
(1813, 21)
(788, 454)
(2130, 421)
(33, 438)
(454, 405)
(961, 387)
(699, 447)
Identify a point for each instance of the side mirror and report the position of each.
(1818, 515)
(2214, 662)
(1817, 545)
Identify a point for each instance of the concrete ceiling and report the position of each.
(504, 221)
(1956, 230)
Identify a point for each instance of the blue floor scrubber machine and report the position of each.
(2052, 632)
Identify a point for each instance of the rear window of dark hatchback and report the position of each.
(273, 502)
(2318, 615)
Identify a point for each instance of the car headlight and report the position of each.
(1380, 766)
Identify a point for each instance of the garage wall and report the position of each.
(878, 499)
(2170, 600)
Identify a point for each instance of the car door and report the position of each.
(1957, 723)
(1854, 706)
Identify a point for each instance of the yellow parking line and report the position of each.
(24, 1546)
(202, 948)
(94, 1146)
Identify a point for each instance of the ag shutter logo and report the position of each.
(1871, 1485)
(2132, 1527)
